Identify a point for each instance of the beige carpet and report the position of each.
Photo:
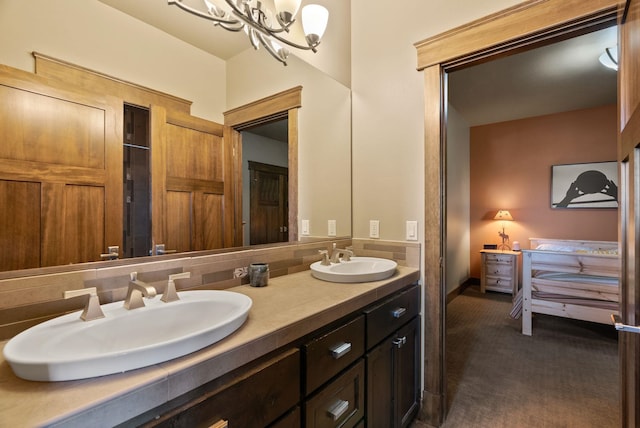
(565, 375)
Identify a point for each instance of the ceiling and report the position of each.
(200, 33)
(560, 77)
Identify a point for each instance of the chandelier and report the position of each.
(259, 24)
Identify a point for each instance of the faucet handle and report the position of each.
(179, 275)
(170, 294)
(92, 309)
(325, 257)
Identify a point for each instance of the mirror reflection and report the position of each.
(214, 85)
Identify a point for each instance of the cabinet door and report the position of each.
(191, 196)
(60, 173)
(393, 384)
(407, 372)
(380, 385)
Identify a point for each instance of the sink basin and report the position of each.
(67, 348)
(358, 269)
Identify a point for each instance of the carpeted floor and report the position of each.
(565, 375)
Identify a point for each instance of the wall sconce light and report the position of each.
(504, 215)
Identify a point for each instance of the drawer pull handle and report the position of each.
(397, 313)
(400, 341)
(340, 350)
(337, 409)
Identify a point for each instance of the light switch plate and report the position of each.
(374, 228)
(331, 226)
(412, 230)
(305, 228)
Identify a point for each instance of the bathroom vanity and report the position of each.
(311, 353)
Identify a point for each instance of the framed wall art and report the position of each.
(585, 185)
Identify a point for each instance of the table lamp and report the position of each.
(504, 215)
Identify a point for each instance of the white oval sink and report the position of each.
(358, 269)
(67, 348)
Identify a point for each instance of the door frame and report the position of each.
(525, 26)
(283, 105)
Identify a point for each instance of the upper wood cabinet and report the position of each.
(60, 173)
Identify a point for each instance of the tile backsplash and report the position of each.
(29, 300)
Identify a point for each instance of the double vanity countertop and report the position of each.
(289, 308)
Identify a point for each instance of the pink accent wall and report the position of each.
(510, 168)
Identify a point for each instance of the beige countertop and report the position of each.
(288, 308)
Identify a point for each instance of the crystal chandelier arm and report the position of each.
(228, 24)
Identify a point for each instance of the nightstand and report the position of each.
(499, 271)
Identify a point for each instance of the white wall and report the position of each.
(388, 106)
(324, 133)
(458, 201)
(96, 36)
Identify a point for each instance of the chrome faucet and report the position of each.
(337, 252)
(170, 294)
(92, 309)
(136, 291)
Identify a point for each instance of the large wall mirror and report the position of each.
(97, 35)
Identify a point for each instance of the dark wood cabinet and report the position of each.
(340, 403)
(253, 397)
(361, 370)
(393, 365)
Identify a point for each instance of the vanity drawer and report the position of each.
(384, 319)
(256, 398)
(339, 404)
(327, 355)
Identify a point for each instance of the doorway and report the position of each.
(513, 30)
(509, 168)
(265, 161)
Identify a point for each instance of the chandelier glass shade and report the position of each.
(270, 29)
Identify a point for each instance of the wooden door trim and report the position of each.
(518, 28)
(264, 108)
(96, 81)
(514, 28)
(282, 105)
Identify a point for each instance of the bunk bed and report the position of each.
(571, 279)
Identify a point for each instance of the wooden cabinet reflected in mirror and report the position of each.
(81, 171)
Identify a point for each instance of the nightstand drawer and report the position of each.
(501, 283)
(506, 259)
(499, 270)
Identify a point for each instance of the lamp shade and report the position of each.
(289, 6)
(503, 215)
(314, 20)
